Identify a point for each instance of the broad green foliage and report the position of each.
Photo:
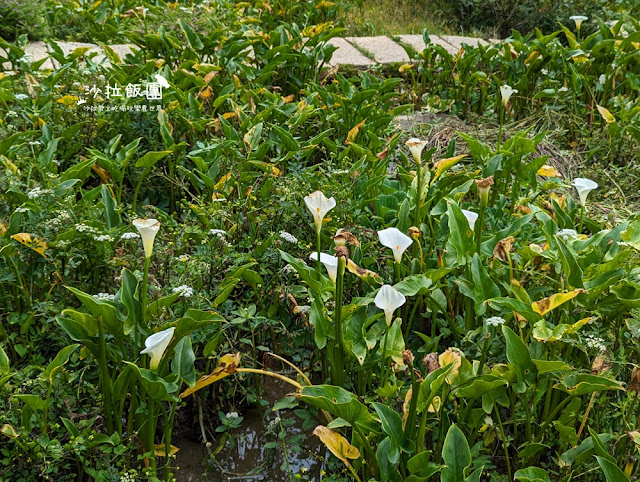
(456, 312)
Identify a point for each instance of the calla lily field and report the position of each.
(271, 266)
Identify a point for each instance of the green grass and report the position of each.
(397, 17)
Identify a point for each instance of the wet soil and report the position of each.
(249, 458)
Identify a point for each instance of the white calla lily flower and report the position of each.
(156, 344)
(578, 19)
(396, 240)
(506, 91)
(162, 81)
(389, 300)
(148, 228)
(416, 146)
(584, 187)
(329, 262)
(319, 205)
(471, 218)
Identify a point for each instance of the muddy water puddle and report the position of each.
(257, 452)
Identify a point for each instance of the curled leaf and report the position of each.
(227, 365)
(337, 444)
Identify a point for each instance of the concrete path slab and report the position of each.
(457, 41)
(383, 49)
(349, 51)
(347, 54)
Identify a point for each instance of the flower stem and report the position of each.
(478, 231)
(383, 374)
(143, 302)
(338, 375)
(318, 264)
(504, 440)
(500, 129)
(104, 377)
(485, 348)
(418, 221)
(581, 219)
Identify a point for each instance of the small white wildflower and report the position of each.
(232, 415)
(103, 237)
(104, 296)
(21, 96)
(37, 192)
(218, 232)
(35, 143)
(184, 290)
(12, 113)
(288, 269)
(288, 237)
(21, 209)
(126, 236)
(495, 321)
(563, 89)
(567, 234)
(219, 200)
(83, 228)
(184, 258)
(592, 341)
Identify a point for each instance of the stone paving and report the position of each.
(355, 51)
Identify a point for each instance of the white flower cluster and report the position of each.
(126, 236)
(61, 217)
(495, 321)
(218, 232)
(21, 96)
(567, 234)
(232, 415)
(12, 113)
(104, 296)
(184, 290)
(83, 228)
(21, 209)
(288, 237)
(37, 192)
(103, 237)
(592, 341)
(288, 269)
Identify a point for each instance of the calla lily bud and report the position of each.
(319, 205)
(584, 187)
(389, 300)
(484, 186)
(396, 240)
(506, 91)
(416, 147)
(148, 228)
(329, 262)
(471, 218)
(156, 344)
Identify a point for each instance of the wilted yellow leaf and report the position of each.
(288, 99)
(545, 305)
(3, 229)
(9, 431)
(548, 171)
(353, 133)
(223, 180)
(606, 115)
(104, 175)
(451, 356)
(33, 242)
(362, 273)
(337, 444)
(227, 365)
(206, 92)
(445, 164)
(67, 100)
(160, 450)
